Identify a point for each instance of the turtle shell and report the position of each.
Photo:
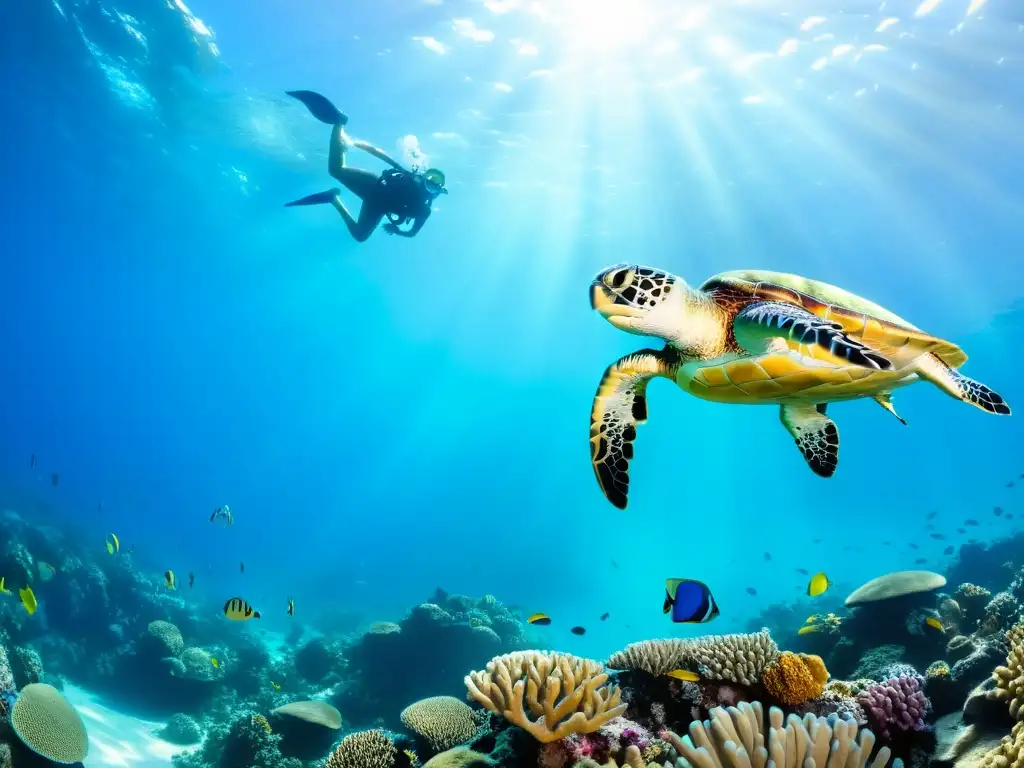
(880, 329)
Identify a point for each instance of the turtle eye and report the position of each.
(618, 278)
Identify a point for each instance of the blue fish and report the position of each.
(690, 601)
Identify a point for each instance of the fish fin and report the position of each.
(320, 107)
(816, 436)
(765, 320)
(317, 198)
(620, 404)
(884, 399)
(955, 384)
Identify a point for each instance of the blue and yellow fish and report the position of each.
(690, 601)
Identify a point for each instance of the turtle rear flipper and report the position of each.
(775, 319)
(619, 406)
(816, 436)
(955, 384)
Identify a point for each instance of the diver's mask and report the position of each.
(433, 182)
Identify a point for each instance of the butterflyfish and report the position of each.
(540, 619)
(578, 630)
(113, 544)
(291, 607)
(28, 599)
(689, 601)
(818, 584)
(934, 623)
(237, 609)
(169, 581)
(684, 674)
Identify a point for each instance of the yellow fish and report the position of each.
(4, 590)
(169, 580)
(540, 619)
(812, 619)
(684, 674)
(216, 664)
(113, 544)
(275, 686)
(818, 584)
(237, 609)
(28, 599)
(807, 629)
(934, 623)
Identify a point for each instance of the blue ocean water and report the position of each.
(395, 416)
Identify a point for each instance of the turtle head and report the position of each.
(640, 300)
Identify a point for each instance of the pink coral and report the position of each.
(896, 703)
(609, 741)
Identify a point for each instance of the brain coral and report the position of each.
(1010, 678)
(793, 679)
(740, 658)
(48, 725)
(168, 636)
(365, 749)
(442, 721)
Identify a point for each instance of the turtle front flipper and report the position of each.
(815, 434)
(774, 319)
(619, 405)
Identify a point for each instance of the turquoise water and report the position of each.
(389, 417)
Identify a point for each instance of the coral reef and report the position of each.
(897, 703)
(48, 725)
(739, 658)
(566, 684)
(442, 722)
(364, 749)
(794, 678)
(181, 729)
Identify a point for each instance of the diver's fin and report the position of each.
(619, 405)
(320, 107)
(318, 198)
(776, 319)
(816, 436)
(884, 399)
(955, 384)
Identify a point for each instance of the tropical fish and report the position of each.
(751, 591)
(113, 544)
(291, 607)
(690, 601)
(275, 686)
(605, 615)
(997, 511)
(32, 461)
(937, 536)
(934, 623)
(818, 584)
(223, 513)
(55, 479)
(540, 619)
(970, 522)
(803, 571)
(4, 590)
(237, 609)
(912, 545)
(169, 581)
(812, 619)
(191, 579)
(767, 556)
(930, 515)
(921, 561)
(46, 571)
(215, 663)
(808, 629)
(578, 631)
(28, 599)
(241, 567)
(948, 550)
(684, 674)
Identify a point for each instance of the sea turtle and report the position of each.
(759, 337)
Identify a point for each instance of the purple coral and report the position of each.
(896, 703)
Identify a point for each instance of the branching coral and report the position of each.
(564, 693)
(896, 703)
(442, 721)
(740, 658)
(736, 737)
(364, 749)
(793, 679)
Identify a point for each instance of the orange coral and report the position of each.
(795, 678)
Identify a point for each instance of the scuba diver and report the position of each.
(401, 194)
